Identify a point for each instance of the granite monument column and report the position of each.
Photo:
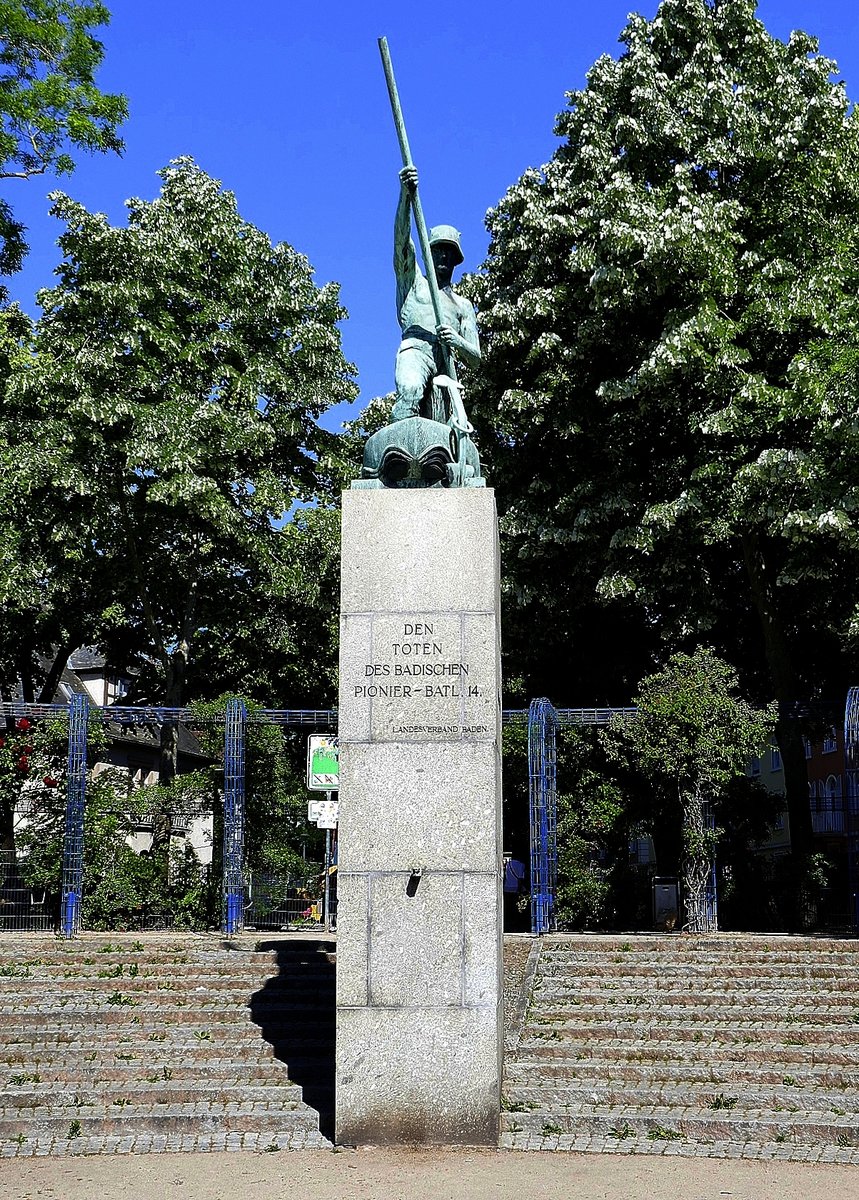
(419, 1037)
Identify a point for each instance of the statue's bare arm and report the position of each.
(465, 343)
(404, 251)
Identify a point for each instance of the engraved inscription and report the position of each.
(408, 649)
(421, 675)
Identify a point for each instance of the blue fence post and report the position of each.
(543, 804)
(851, 764)
(73, 841)
(234, 817)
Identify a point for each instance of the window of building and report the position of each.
(775, 758)
(755, 767)
(829, 742)
(806, 745)
(833, 793)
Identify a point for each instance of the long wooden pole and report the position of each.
(460, 419)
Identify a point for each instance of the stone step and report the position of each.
(204, 946)
(178, 974)
(122, 1017)
(159, 1090)
(692, 944)
(168, 1118)
(621, 1121)
(194, 1142)
(138, 1070)
(181, 974)
(742, 1018)
(839, 994)
(111, 1047)
(842, 952)
(67, 975)
(692, 974)
(216, 1072)
(576, 992)
(167, 1050)
(739, 1033)
(697, 1009)
(740, 1098)
(240, 1031)
(655, 1051)
(125, 1010)
(694, 1025)
(724, 1075)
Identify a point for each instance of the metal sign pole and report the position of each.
(326, 909)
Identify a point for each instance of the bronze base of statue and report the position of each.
(419, 453)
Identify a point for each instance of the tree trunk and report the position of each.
(788, 732)
(7, 804)
(52, 679)
(697, 866)
(7, 824)
(25, 675)
(168, 759)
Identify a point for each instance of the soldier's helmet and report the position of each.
(446, 233)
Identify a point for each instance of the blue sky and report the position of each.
(285, 102)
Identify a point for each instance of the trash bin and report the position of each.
(666, 903)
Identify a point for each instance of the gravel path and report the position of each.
(374, 1174)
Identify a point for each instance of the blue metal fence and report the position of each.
(543, 806)
(236, 718)
(73, 841)
(234, 817)
(851, 770)
(543, 721)
(542, 718)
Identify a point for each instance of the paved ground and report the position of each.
(374, 1174)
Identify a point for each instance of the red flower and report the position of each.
(24, 763)
(2, 742)
(23, 723)
(48, 782)
(27, 749)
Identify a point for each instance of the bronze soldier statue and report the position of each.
(420, 356)
(428, 442)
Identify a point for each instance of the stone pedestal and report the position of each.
(419, 1020)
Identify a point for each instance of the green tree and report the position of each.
(53, 595)
(596, 818)
(31, 769)
(692, 736)
(669, 320)
(277, 834)
(176, 378)
(49, 102)
(283, 652)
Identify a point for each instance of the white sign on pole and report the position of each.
(313, 809)
(329, 813)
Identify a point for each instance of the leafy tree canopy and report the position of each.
(690, 739)
(692, 731)
(49, 103)
(175, 380)
(669, 316)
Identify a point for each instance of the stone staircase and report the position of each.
(160, 1042)
(738, 1046)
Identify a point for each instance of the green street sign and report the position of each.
(323, 764)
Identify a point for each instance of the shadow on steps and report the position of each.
(296, 1013)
